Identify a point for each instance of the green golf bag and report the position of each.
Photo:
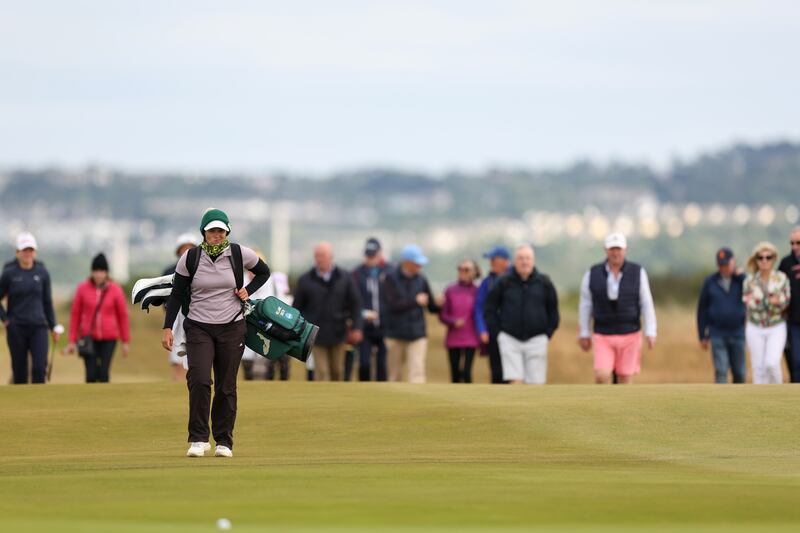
(275, 329)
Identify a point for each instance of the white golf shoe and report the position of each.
(223, 451)
(198, 449)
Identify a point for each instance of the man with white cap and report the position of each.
(30, 313)
(616, 294)
(177, 356)
(407, 295)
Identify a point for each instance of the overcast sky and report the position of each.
(322, 86)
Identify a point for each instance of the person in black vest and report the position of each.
(523, 307)
(369, 278)
(616, 293)
(790, 265)
(26, 283)
(407, 296)
(721, 317)
(327, 296)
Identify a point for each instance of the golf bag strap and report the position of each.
(192, 262)
(237, 263)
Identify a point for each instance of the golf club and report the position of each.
(60, 330)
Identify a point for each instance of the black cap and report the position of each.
(724, 256)
(100, 262)
(372, 247)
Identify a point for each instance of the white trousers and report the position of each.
(766, 352)
(523, 360)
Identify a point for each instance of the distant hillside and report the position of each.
(734, 195)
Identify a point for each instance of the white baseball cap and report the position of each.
(216, 224)
(186, 238)
(26, 240)
(616, 240)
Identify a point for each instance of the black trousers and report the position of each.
(461, 364)
(495, 363)
(23, 340)
(98, 366)
(217, 347)
(283, 368)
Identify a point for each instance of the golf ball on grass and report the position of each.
(223, 523)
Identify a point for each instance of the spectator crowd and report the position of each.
(373, 318)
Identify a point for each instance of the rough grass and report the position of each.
(312, 456)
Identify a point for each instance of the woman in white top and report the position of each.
(766, 295)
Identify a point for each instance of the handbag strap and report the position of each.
(97, 310)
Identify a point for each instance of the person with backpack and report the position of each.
(29, 314)
(99, 318)
(208, 288)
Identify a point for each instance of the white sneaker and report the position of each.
(198, 449)
(223, 451)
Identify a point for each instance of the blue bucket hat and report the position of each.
(498, 251)
(413, 253)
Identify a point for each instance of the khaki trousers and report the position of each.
(329, 362)
(399, 351)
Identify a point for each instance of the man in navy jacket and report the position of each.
(721, 318)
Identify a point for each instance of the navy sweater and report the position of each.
(720, 313)
(30, 299)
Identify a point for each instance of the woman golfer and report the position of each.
(30, 312)
(205, 283)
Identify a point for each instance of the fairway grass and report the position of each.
(314, 456)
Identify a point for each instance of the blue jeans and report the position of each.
(728, 353)
(793, 361)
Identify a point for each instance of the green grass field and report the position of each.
(313, 456)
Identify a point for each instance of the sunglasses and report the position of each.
(794, 243)
(765, 257)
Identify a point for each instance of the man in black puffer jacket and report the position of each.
(523, 307)
(327, 296)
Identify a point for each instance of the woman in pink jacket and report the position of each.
(99, 319)
(457, 314)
